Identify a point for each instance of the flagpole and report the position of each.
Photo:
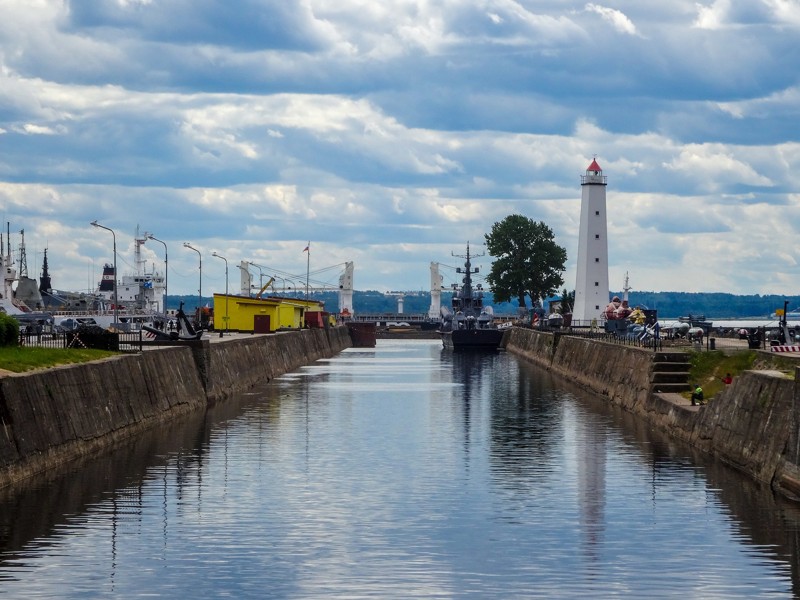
(308, 265)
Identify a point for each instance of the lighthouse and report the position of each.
(591, 287)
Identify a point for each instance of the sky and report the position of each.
(393, 133)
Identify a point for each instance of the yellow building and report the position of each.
(261, 315)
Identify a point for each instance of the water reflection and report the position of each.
(400, 471)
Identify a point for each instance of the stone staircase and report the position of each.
(670, 373)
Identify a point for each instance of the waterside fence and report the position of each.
(127, 342)
(728, 340)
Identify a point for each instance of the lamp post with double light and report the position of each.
(114, 238)
(260, 275)
(150, 236)
(283, 285)
(200, 289)
(292, 284)
(226, 289)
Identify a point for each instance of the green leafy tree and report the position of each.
(528, 260)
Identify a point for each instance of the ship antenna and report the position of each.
(625, 288)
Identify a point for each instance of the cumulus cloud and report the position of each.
(33, 129)
(400, 129)
(715, 168)
(618, 20)
(712, 16)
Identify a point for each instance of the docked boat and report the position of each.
(362, 333)
(139, 297)
(468, 324)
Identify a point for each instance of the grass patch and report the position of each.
(20, 359)
(708, 368)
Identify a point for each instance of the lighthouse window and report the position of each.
(596, 260)
(597, 236)
(597, 212)
(596, 283)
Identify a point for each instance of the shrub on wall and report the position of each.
(9, 330)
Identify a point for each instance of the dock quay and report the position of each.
(752, 425)
(52, 416)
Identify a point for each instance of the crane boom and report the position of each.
(264, 287)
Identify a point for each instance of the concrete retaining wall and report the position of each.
(752, 425)
(621, 373)
(51, 416)
(238, 366)
(749, 424)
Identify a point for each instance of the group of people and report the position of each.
(697, 394)
(617, 309)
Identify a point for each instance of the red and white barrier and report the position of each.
(785, 348)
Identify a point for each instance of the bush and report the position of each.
(9, 330)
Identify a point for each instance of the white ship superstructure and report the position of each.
(141, 290)
(7, 304)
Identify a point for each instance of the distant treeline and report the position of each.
(717, 305)
(668, 304)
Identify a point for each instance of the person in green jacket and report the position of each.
(697, 395)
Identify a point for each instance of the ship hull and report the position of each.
(363, 335)
(478, 339)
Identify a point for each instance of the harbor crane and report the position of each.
(345, 288)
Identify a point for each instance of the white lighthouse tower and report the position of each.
(591, 287)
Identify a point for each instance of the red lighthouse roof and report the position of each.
(594, 166)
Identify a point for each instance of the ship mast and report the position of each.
(139, 241)
(44, 281)
(466, 289)
(9, 273)
(625, 289)
(23, 260)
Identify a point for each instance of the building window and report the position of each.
(597, 236)
(596, 307)
(596, 284)
(597, 212)
(596, 260)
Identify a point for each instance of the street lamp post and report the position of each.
(260, 275)
(114, 238)
(150, 236)
(226, 289)
(200, 289)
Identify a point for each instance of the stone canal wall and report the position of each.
(49, 417)
(234, 367)
(52, 416)
(752, 424)
(621, 373)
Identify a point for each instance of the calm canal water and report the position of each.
(401, 472)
